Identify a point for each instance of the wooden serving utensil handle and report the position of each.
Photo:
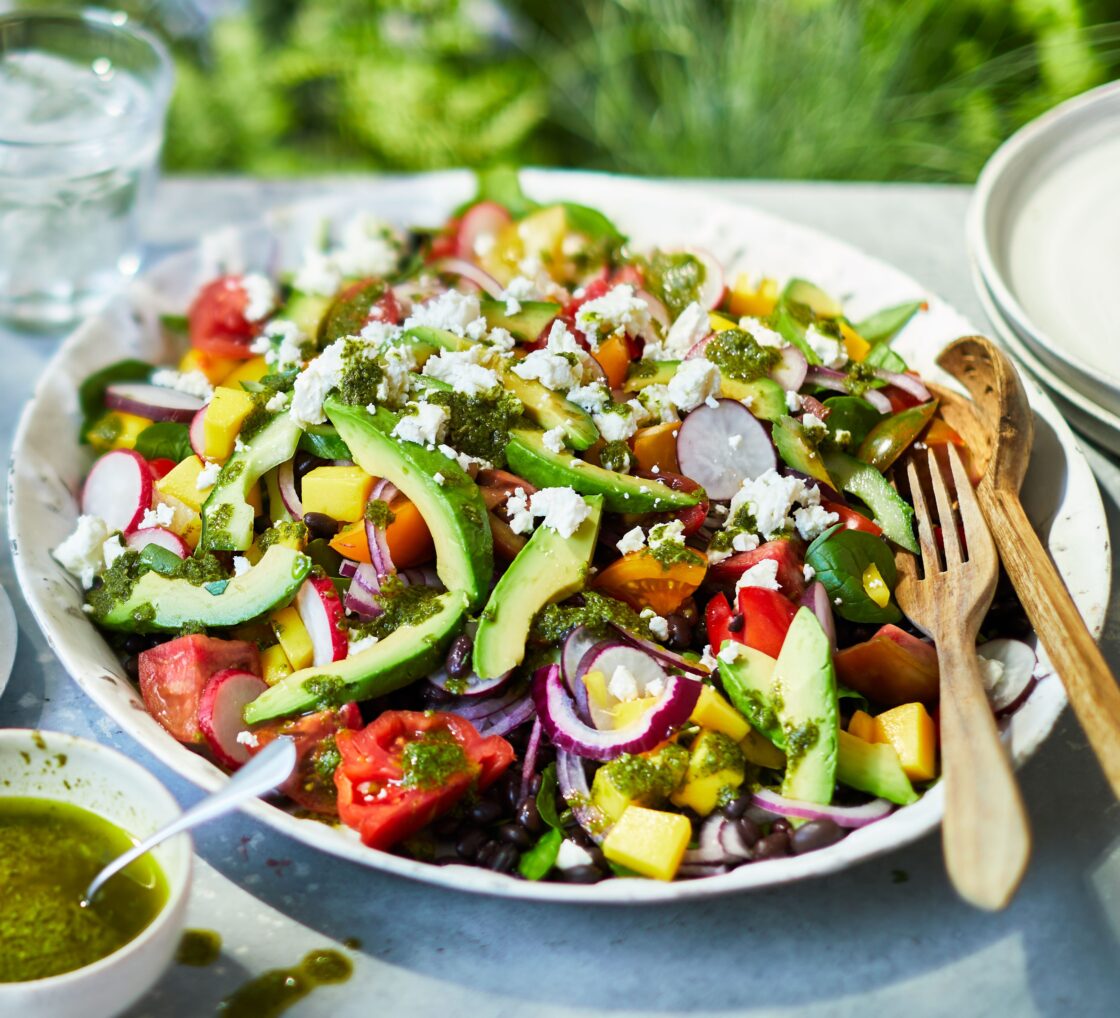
(1088, 680)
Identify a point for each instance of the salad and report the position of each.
(553, 555)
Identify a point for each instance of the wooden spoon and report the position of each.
(999, 428)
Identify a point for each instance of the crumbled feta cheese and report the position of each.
(463, 370)
(695, 382)
(314, 382)
(260, 296)
(572, 855)
(208, 476)
(543, 286)
(717, 555)
(426, 426)
(744, 541)
(513, 306)
(369, 247)
(793, 401)
(451, 311)
(762, 574)
(277, 402)
(501, 339)
(289, 351)
(520, 515)
(707, 658)
(364, 643)
(397, 365)
(842, 436)
(439, 478)
(381, 333)
(770, 497)
(813, 520)
(592, 398)
(554, 371)
(655, 687)
(518, 289)
(623, 684)
(112, 549)
(691, 326)
(553, 439)
(241, 565)
(633, 540)
(191, 383)
(318, 274)
(614, 426)
(238, 445)
(470, 464)
(561, 509)
(808, 572)
(620, 309)
(730, 653)
(658, 626)
(247, 738)
(162, 515)
(734, 441)
(830, 351)
(658, 404)
(812, 422)
(667, 533)
(82, 553)
(762, 334)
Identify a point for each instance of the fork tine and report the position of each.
(930, 562)
(976, 531)
(950, 539)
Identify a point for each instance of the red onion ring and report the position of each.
(843, 816)
(472, 273)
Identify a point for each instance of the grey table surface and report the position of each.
(888, 937)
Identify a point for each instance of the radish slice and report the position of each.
(219, 714)
(138, 540)
(480, 223)
(152, 401)
(844, 816)
(471, 273)
(197, 434)
(711, 289)
(659, 320)
(577, 643)
(469, 684)
(286, 482)
(816, 599)
(565, 729)
(321, 611)
(1007, 682)
(719, 447)
(608, 657)
(790, 371)
(119, 490)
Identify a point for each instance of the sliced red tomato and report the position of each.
(311, 785)
(788, 553)
(640, 580)
(767, 616)
(850, 519)
(900, 398)
(384, 803)
(444, 243)
(217, 319)
(717, 621)
(160, 467)
(694, 516)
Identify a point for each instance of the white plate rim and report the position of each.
(904, 826)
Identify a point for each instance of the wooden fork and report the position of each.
(985, 835)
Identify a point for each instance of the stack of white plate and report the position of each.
(1044, 236)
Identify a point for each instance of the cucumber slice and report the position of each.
(894, 516)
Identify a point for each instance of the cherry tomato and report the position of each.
(378, 799)
(717, 621)
(642, 582)
(160, 467)
(850, 519)
(900, 398)
(787, 552)
(693, 516)
(217, 321)
(767, 616)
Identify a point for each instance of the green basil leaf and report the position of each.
(165, 440)
(546, 798)
(882, 356)
(176, 325)
(539, 860)
(591, 223)
(844, 693)
(323, 440)
(840, 558)
(852, 414)
(91, 393)
(884, 325)
(502, 184)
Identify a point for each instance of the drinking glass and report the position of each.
(82, 103)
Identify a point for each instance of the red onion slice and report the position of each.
(476, 710)
(507, 719)
(361, 602)
(709, 847)
(790, 371)
(286, 482)
(719, 447)
(905, 382)
(837, 381)
(572, 781)
(471, 273)
(532, 749)
(557, 712)
(425, 576)
(843, 816)
(817, 600)
(659, 653)
(469, 685)
(152, 401)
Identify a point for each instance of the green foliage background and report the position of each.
(838, 89)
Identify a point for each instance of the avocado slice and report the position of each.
(227, 517)
(811, 296)
(533, 318)
(400, 658)
(307, 310)
(161, 603)
(549, 568)
(894, 516)
(797, 452)
(873, 768)
(621, 493)
(454, 510)
(748, 680)
(542, 406)
(767, 398)
(805, 702)
(645, 373)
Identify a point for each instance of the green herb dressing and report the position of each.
(273, 992)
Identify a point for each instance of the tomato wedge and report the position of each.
(694, 516)
(406, 768)
(787, 552)
(217, 322)
(765, 619)
(640, 580)
(850, 519)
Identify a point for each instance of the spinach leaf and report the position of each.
(91, 393)
(840, 558)
(165, 440)
(852, 414)
(176, 325)
(884, 325)
(882, 356)
(501, 184)
(546, 798)
(323, 440)
(592, 224)
(844, 693)
(539, 860)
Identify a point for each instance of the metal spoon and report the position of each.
(270, 767)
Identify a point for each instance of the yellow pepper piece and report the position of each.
(856, 346)
(910, 730)
(116, 430)
(341, 492)
(181, 482)
(246, 371)
(714, 712)
(214, 368)
(753, 301)
(649, 841)
(274, 664)
(293, 637)
(875, 586)
(862, 726)
(224, 416)
(720, 324)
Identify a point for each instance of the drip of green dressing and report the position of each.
(49, 852)
(199, 948)
(273, 992)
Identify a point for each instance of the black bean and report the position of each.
(581, 837)
(736, 624)
(516, 835)
(535, 784)
(304, 462)
(470, 843)
(773, 846)
(737, 807)
(134, 643)
(132, 668)
(583, 875)
(680, 631)
(446, 826)
(484, 812)
(527, 814)
(782, 825)
(749, 831)
(505, 859)
(321, 525)
(815, 834)
(459, 656)
(597, 856)
(512, 793)
(486, 853)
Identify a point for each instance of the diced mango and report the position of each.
(608, 798)
(341, 492)
(628, 711)
(655, 448)
(274, 664)
(753, 301)
(293, 637)
(714, 712)
(862, 726)
(644, 779)
(716, 769)
(649, 841)
(181, 482)
(214, 368)
(910, 730)
(761, 751)
(613, 356)
(597, 695)
(856, 346)
(720, 324)
(116, 430)
(224, 416)
(246, 371)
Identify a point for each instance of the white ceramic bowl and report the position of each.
(47, 467)
(111, 785)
